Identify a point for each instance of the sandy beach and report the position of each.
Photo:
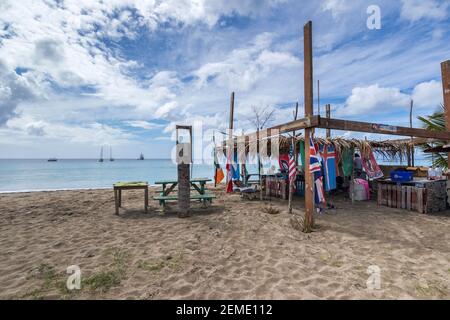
(233, 249)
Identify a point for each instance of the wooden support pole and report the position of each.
(230, 133)
(328, 115)
(308, 94)
(294, 150)
(411, 150)
(445, 69)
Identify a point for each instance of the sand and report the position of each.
(231, 250)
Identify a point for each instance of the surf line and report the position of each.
(193, 310)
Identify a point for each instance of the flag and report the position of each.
(218, 172)
(328, 155)
(316, 169)
(314, 158)
(319, 194)
(292, 166)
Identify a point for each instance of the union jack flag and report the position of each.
(314, 160)
(292, 167)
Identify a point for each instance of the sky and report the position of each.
(76, 75)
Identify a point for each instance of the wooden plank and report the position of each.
(408, 198)
(359, 126)
(389, 195)
(399, 196)
(379, 194)
(413, 199)
(308, 95)
(420, 200)
(403, 197)
(445, 70)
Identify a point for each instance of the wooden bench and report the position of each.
(119, 186)
(207, 197)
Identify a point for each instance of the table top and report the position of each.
(122, 184)
(190, 180)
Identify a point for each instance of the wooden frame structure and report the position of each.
(311, 121)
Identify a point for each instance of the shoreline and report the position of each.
(79, 189)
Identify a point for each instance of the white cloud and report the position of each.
(414, 10)
(143, 124)
(427, 94)
(245, 66)
(337, 7)
(373, 99)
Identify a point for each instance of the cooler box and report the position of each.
(402, 176)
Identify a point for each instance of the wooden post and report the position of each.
(294, 150)
(308, 87)
(445, 69)
(411, 150)
(318, 97)
(230, 133)
(184, 160)
(328, 115)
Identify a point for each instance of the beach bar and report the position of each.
(422, 195)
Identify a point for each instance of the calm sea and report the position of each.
(35, 175)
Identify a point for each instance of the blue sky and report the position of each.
(75, 75)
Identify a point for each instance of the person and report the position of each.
(357, 164)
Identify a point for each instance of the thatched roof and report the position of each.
(396, 149)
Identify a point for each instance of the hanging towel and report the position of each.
(284, 162)
(328, 155)
(302, 154)
(347, 161)
(218, 173)
(235, 168)
(371, 167)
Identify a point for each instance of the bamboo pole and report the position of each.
(308, 95)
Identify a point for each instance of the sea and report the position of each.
(68, 174)
(25, 175)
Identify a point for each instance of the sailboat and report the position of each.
(110, 154)
(101, 155)
(141, 157)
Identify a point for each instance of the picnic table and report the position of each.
(119, 186)
(197, 184)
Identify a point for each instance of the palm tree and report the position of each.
(435, 122)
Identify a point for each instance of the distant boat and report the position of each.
(110, 154)
(141, 157)
(52, 160)
(101, 155)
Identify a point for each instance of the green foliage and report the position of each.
(435, 122)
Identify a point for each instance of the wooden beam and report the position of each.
(445, 69)
(308, 94)
(359, 126)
